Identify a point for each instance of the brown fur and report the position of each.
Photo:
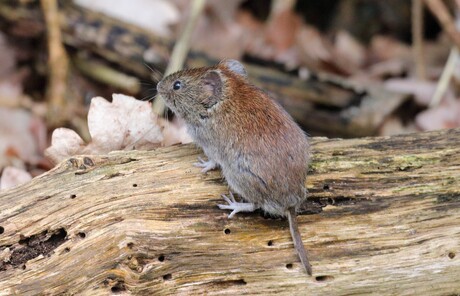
(262, 152)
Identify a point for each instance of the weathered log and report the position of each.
(322, 104)
(146, 223)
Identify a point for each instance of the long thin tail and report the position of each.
(298, 244)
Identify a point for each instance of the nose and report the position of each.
(159, 86)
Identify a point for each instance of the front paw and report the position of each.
(206, 165)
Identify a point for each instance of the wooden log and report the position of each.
(322, 104)
(383, 219)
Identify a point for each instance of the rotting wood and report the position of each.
(383, 219)
(323, 104)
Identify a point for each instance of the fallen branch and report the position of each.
(147, 223)
(58, 64)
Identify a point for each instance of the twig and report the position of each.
(417, 39)
(449, 68)
(107, 75)
(58, 63)
(444, 80)
(439, 10)
(181, 49)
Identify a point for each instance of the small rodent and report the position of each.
(262, 152)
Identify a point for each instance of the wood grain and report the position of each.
(146, 223)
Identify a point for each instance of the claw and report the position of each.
(206, 165)
(235, 206)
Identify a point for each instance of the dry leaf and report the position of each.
(22, 136)
(314, 49)
(126, 123)
(282, 29)
(175, 132)
(446, 115)
(64, 143)
(155, 15)
(217, 32)
(12, 177)
(350, 53)
(123, 124)
(421, 90)
(387, 48)
(7, 57)
(395, 67)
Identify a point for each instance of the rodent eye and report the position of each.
(177, 85)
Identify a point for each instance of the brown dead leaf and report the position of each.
(314, 50)
(384, 48)
(217, 32)
(282, 29)
(253, 41)
(350, 54)
(7, 58)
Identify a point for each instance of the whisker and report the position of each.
(148, 94)
(149, 83)
(156, 74)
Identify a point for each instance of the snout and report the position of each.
(160, 86)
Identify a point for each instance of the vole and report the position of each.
(262, 152)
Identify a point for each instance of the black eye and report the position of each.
(177, 85)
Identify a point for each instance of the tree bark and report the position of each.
(382, 218)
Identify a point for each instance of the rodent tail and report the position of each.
(298, 244)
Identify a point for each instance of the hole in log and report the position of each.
(289, 266)
(82, 234)
(23, 267)
(270, 243)
(227, 231)
(43, 243)
(67, 250)
(238, 282)
(326, 187)
(88, 161)
(2, 230)
(324, 278)
(72, 196)
(118, 287)
(161, 258)
(167, 277)
(130, 245)
(134, 185)
(451, 255)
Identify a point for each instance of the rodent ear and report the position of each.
(212, 88)
(234, 66)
